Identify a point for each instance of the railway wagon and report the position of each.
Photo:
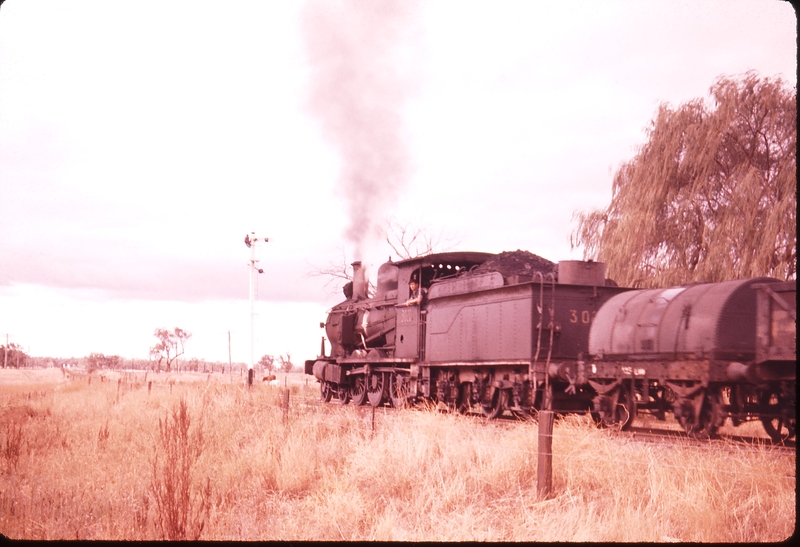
(706, 352)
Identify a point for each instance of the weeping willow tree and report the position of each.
(712, 194)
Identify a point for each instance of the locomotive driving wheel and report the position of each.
(325, 392)
(343, 393)
(775, 423)
(358, 391)
(375, 388)
(398, 391)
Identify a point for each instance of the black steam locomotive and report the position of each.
(513, 332)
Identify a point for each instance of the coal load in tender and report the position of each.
(516, 263)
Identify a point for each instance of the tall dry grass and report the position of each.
(215, 461)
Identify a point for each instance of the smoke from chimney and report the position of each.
(358, 86)
(360, 283)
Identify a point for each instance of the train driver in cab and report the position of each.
(418, 296)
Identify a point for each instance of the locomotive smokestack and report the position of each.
(359, 281)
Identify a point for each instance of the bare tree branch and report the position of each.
(405, 239)
(408, 240)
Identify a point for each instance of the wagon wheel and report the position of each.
(398, 391)
(627, 407)
(776, 425)
(498, 405)
(463, 403)
(358, 391)
(325, 392)
(706, 424)
(660, 397)
(375, 386)
(343, 392)
(618, 410)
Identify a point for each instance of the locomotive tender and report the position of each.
(515, 332)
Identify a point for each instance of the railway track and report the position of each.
(656, 435)
(643, 432)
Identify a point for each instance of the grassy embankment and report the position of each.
(208, 459)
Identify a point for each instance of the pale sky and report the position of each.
(141, 141)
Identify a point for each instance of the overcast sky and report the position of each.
(141, 141)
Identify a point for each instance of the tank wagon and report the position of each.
(513, 332)
(706, 352)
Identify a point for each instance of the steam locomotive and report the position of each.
(513, 332)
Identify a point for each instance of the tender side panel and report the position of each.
(493, 325)
(503, 324)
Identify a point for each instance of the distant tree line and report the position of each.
(267, 363)
(12, 356)
(164, 356)
(98, 361)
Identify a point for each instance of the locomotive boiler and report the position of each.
(513, 332)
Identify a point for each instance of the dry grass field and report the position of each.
(196, 456)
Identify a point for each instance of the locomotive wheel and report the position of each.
(499, 400)
(375, 385)
(463, 404)
(778, 428)
(344, 394)
(325, 392)
(519, 409)
(398, 391)
(358, 391)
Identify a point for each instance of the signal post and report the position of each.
(250, 240)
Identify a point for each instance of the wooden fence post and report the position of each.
(285, 405)
(545, 471)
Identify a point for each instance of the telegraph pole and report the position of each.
(250, 240)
